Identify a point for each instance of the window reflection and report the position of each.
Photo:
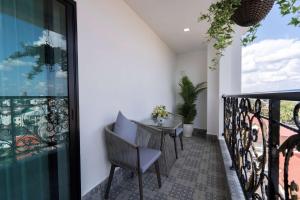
(34, 102)
(33, 76)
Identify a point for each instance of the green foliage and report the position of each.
(290, 7)
(189, 94)
(251, 35)
(286, 111)
(221, 25)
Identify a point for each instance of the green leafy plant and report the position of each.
(286, 111)
(221, 28)
(189, 93)
(290, 7)
(250, 35)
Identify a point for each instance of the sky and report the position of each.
(272, 62)
(14, 72)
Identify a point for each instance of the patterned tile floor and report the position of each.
(197, 174)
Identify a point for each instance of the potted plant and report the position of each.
(251, 12)
(189, 93)
(224, 14)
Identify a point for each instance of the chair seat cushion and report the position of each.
(148, 157)
(125, 129)
(179, 131)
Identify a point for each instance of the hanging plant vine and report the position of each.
(221, 28)
(250, 35)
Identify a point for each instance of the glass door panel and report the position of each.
(34, 101)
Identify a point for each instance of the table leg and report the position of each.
(175, 146)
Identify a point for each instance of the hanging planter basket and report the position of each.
(251, 12)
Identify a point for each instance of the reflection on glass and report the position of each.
(34, 116)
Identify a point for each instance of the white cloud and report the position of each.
(61, 74)
(53, 39)
(41, 87)
(28, 83)
(8, 64)
(271, 65)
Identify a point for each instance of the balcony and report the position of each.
(68, 67)
(263, 149)
(198, 173)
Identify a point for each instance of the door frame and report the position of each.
(74, 148)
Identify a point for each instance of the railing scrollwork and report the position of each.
(255, 155)
(28, 124)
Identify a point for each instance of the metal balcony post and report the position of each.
(274, 141)
(233, 138)
(13, 126)
(224, 115)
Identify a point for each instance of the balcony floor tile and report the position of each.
(197, 174)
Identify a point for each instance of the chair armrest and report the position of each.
(120, 151)
(146, 134)
(151, 129)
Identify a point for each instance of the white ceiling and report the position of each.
(168, 18)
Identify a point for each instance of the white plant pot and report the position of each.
(188, 130)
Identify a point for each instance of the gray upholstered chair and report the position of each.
(178, 133)
(132, 155)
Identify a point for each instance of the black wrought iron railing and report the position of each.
(262, 132)
(29, 124)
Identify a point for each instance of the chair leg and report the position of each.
(111, 175)
(181, 142)
(140, 185)
(175, 146)
(131, 174)
(157, 173)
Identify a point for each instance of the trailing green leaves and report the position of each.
(290, 7)
(221, 26)
(251, 35)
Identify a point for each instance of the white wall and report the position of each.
(194, 65)
(212, 94)
(226, 79)
(230, 74)
(124, 66)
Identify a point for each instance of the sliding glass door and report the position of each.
(37, 100)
